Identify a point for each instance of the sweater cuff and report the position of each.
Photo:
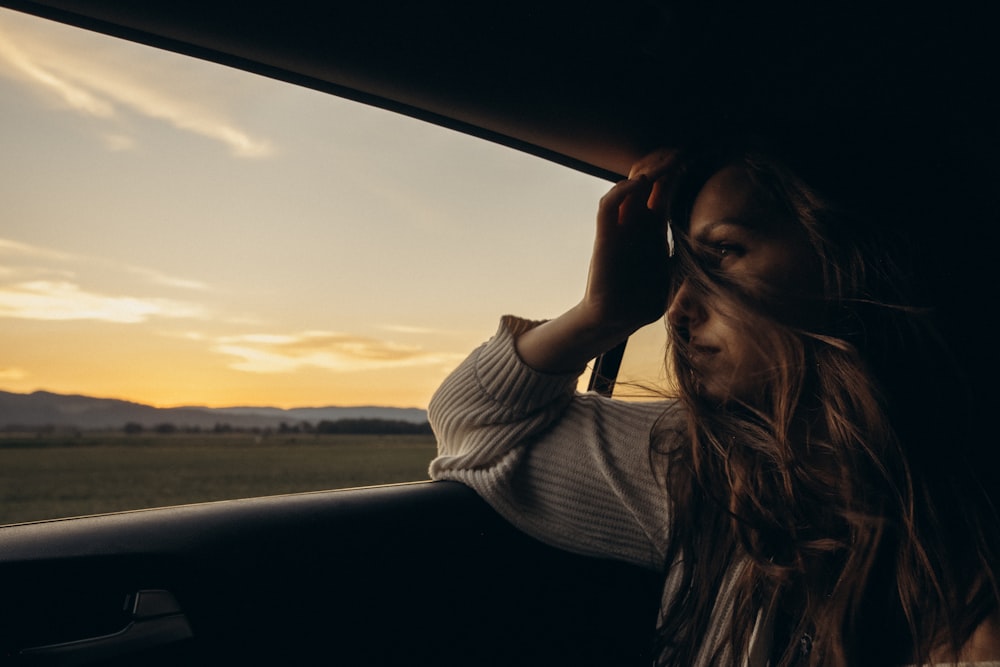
(508, 380)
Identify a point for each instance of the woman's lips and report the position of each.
(703, 350)
(699, 355)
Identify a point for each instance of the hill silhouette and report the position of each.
(46, 409)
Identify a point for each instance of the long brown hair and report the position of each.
(848, 494)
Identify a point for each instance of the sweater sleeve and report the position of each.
(572, 470)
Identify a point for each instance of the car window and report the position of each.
(643, 375)
(289, 273)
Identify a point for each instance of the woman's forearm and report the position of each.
(568, 342)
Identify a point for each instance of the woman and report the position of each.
(813, 496)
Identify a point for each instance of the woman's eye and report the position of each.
(714, 254)
(721, 251)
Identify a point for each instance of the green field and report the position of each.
(52, 476)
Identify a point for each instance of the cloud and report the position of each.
(87, 84)
(166, 280)
(283, 353)
(49, 300)
(75, 97)
(9, 247)
(23, 251)
(12, 374)
(406, 329)
(38, 283)
(119, 142)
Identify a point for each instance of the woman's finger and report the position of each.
(655, 164)
(662, 168)
(610, 209)
(635, 207)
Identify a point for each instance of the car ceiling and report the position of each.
(593, 84)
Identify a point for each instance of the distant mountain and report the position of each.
(43, 408)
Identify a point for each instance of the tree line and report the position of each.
(339, 426)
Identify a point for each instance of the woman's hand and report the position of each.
(629, 278)
(628, 285)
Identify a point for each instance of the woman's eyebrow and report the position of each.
(709, 227)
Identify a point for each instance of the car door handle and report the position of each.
(157, 620)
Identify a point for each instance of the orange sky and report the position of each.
(177, 233)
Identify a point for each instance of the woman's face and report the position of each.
(759, 251)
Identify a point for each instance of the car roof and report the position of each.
(593, 84)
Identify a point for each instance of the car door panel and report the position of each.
(421, 573)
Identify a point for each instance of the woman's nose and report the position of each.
(684, 310)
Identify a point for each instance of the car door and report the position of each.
(409, 574)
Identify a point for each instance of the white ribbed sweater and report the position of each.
(572, 470)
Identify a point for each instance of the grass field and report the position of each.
(52, 476)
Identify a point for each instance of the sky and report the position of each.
(175, 232)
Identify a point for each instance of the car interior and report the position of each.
(427, 573)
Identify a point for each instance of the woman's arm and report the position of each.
(573, 470)
(628, 284)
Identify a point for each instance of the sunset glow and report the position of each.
(180, 233)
